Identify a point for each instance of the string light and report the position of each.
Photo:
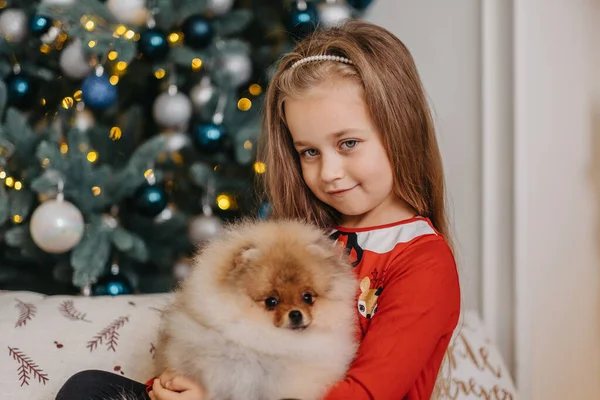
(248, 145)
(92, 156)
(196, 64)
(223, 202)
(18, 185)
(67, 103)
(260, 167)
(2, 174)
(114, 79)
(244, 104)
(159, 73)
(121, 29)
(17, 219)
(9, 181)
(113, 55)
(91, 43)
(64, 148)
(96, 190)
(115, 133)
(255, 89)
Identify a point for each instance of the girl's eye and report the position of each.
(271, 302)
(349, 144)
(309, 153)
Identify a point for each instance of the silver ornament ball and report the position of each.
(13, 25)
(84, 120)
(219, 7)
(238, 67)
(56, 226)
(181, 269)
(172, 110)
(59, 3)
(128, 11)
(201, 94)
(204, 227)
(333, 14)
(73, 62)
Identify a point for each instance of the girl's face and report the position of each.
(343, 159)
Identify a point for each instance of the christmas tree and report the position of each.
(128, 130)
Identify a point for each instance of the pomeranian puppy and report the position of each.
(266, 313)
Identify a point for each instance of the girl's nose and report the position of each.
(332, 168)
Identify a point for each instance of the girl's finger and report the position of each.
(162, 393)
(181, 383)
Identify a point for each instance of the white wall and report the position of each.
(444, 39)
(557, 182)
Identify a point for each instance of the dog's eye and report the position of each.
(307, 298)
(271, 302)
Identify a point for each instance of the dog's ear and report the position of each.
(331, 250)
(245, 256)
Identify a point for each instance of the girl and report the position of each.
(349, 143)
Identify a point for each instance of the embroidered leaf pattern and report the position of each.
(67, 308)
(108, 335)
(27, 368)
(26, 312)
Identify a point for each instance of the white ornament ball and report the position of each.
(56, 226)
(84, 120)
(219, 7)
(181, 269)
(238, 67)
(60, 3)
(201, 94)
(203, 228)
(333, 14)
(13, 25)
(177, 141)
(172, 110)
(73, 62)
(129, 11)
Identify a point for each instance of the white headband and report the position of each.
(321, 58)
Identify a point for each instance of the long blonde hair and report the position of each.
(396, 103)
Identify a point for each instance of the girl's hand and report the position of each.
(176, 387)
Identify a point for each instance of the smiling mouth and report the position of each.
(340, 192)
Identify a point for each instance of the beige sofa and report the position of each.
(46, 339)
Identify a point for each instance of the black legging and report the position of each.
(101, 385)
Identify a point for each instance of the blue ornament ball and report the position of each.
(153, 44)
(303, 22)
(150, 200)
(197, 32)
(98, 93)
(21, 91)
(39, 25)
(208, 136)
(112, 285)
(359, 4)
(264, 211)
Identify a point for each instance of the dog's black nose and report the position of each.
(295, 317)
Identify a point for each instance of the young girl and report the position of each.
(349, 144)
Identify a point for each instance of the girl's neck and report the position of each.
(391, 210)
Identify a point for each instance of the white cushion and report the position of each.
(46, 339)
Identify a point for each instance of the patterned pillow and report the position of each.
(46, 339)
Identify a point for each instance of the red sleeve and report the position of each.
(419, 306)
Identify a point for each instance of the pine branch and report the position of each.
(27, 312)
(109, 334)
(67, 309)
(27, 367)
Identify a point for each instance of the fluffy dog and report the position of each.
(267, 313)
